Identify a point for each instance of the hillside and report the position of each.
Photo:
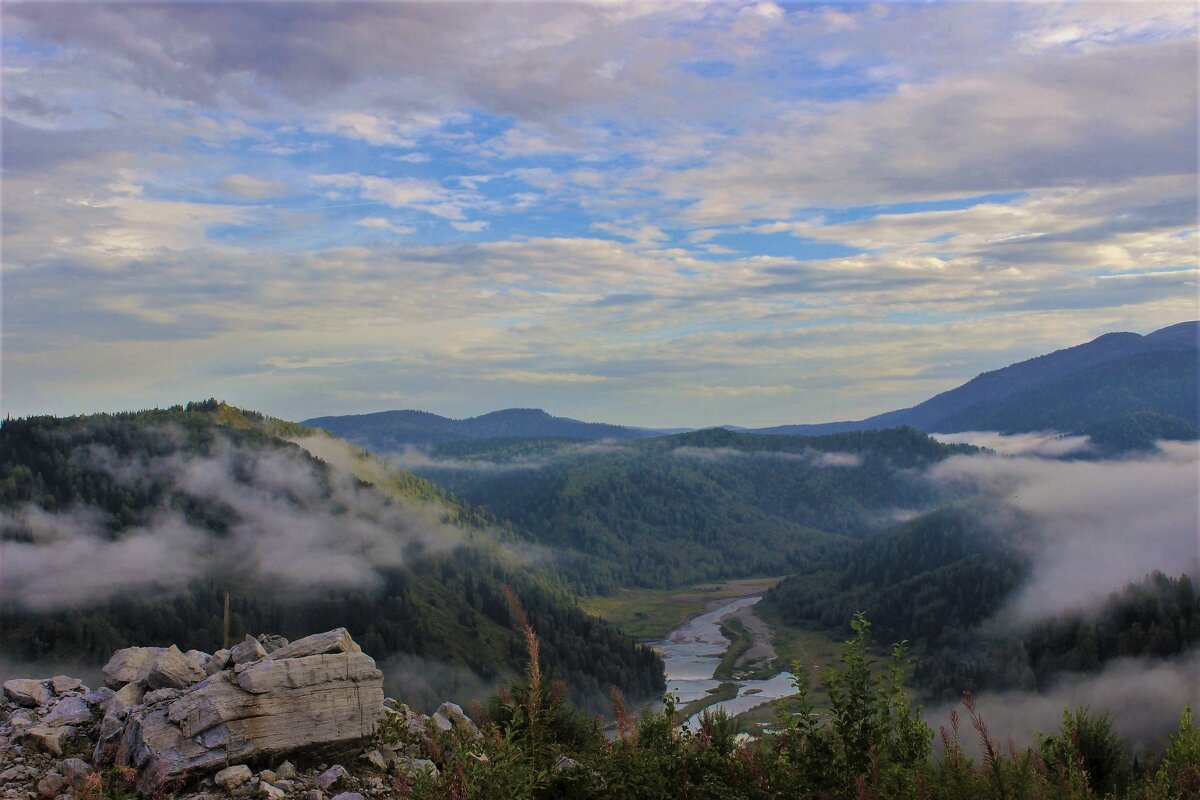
(130, 528)
(391, 431)
(1100, 385)
(695, 506)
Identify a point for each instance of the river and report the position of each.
(692, 652)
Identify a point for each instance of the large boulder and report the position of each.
(129, 665)
(28, 692)
(171, 669)
(324, 692)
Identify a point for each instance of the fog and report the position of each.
(1046, 443)
(1088, 527)
(288, 523)
(816, 458)
(1144, 696)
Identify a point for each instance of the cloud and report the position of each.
(289, 525)
(816, 458)
(1048, 443)
(1144, 696)
(1089, 527)
(250, 187)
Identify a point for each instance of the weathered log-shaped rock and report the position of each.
(330, 695)
(129, 665)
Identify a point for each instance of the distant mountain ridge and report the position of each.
(388, 431)
(1077, 389)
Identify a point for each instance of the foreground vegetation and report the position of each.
(871, 743)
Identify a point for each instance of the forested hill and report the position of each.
(696, 506)
(938, 581)
(130, 528)
(391, 431)
(1123, 388)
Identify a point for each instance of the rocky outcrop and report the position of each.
(321, 690)
(169, 725)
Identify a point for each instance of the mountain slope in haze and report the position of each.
(130, 528)
(392, 431)
(1098, 386)
(697, 506)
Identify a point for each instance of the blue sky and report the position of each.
(654, 213)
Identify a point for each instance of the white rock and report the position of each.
(217, 662)
(331, 777)
(28, 692)
(129, 665)
(68, 711)
(232, 777)
(63, 684)
(172, 670)
(286, 771)
(271, 792)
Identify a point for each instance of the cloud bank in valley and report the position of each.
(288, 524)
(1089, 527)
(1050, 444)
(1145, 697)
(816, 458)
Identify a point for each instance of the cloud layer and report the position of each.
(288, 524)
(760, 213)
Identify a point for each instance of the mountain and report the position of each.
(392, 431)
(133, 528)
(696, 506)
(1117, 383)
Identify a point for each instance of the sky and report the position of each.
(650, 213)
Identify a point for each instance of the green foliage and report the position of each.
(698, 506)
(869, 745)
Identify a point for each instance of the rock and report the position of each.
(68, 711)
(158, 695)
(348, 796)
(28, 692)
(127, 697)
(454, 713)
(442, 722)
(286, 771)
(48, 739)
(564, 763)
(18, 773)
(271, 708)
(76, 770)
(247, 652)
(198, 659)
(268, 776)
(415, 767)
(271, 642)
(51, 785)
(63, 684)
(271, 792)
(375, 759)
(331, 777)
(217, 662)
(172, 670)
(129, 665)
(98, 697)
(313, 794)
(232, 777)
(335, 641)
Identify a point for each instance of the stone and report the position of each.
(217, 662)
(271, 708)
(414, 767)
(158, 695)
(198, 659)
(348, 796)
(68, 711)
(172, 670)
(332, 777)
(129, 665)
(460, 721)
(271, 642)
(268, 776)
(334, 641)
(271, 792)
(48, 739)
(247, 652)
(564, 763)
(125, 698)
(76, 770)
(442, 722)
(28, 692)
(63, 684)
(375, 759)
(20, 772)
(313, 794)
(286, 771)
(51, 785)
(98, 697)
(232, 777)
